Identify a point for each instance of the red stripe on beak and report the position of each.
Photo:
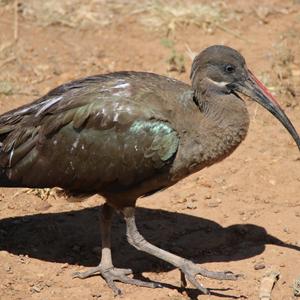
(263, 88)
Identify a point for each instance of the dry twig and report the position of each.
(267, 283)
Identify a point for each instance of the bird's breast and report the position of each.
(211, 140)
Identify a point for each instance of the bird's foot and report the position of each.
(189, 271)
(112, 274)
(99, 270)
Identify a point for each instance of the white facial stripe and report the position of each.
(218, 83)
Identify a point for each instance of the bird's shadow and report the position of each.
(74, 238)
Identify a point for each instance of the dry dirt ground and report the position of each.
(242, 214)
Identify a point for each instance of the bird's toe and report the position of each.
(189, 271)
(88, 273)
(120, 272)
(111, 275)
(225, 275)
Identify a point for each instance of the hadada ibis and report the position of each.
(125, 135)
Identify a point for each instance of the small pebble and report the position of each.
(219, 180)
(191, 206)
(259, 266)
(7, 268)
(213, 204)
(10, 206)
(96, 295)
(64, 266)
(36, 289)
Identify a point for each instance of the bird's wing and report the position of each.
(84, 134)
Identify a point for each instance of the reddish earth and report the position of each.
(241, 215)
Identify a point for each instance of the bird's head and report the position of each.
(223, 70)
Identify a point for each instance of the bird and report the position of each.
(126, 135)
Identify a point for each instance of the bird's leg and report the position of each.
(106, 267)
(188, 268)
(105, 228)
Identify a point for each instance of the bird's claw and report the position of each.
(189, 271)
(112, 274)
(100, 270)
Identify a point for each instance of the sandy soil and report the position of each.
(242, 214)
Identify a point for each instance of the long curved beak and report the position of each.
(255, 89)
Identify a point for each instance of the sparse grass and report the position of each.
(5, 2)
(6, 88)
(176, 61)
(43, 194)
(282, 66)
(282, 80)
(296, 287)
(72, 13)
(162, 15)
(172, 14)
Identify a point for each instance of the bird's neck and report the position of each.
(222, 125)
(226, 122)
(226, 113)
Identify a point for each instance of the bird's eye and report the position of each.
(229, 68)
